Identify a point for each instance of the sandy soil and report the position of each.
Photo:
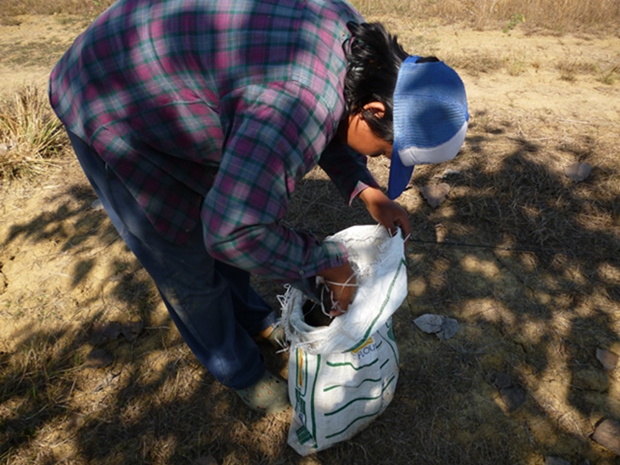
(520, 383)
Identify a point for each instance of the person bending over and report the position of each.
(195, 119)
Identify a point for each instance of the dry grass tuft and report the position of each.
(30, 134)
(569, 70)
(475, 62)
(41, 7)
(610, 76)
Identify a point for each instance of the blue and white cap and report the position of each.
(430, 119)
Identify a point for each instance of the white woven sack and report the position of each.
(379, 260)
(343, 376)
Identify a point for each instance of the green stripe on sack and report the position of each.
(388, 383)
(361, 398)
(350, 424)
(358, 399)
(378, 380)
(385, 302)
(312, 412)
(303, 435)
(349, 364)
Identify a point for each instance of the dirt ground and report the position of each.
(525, 259)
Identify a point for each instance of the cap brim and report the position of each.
(430, 119)
(400, 175)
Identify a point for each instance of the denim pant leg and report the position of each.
(211, 303)
(251, 310)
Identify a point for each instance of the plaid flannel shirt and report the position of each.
(210, 111)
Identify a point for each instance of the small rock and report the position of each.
(449, 328)
(450, 172)
(98, 358)
(429, 323)
(104, 332)
(4, 149)
(578, 171)
(607, 434)
(513, 396)
(443, 327)
(435, 194)
(550, 460)
(132, 330)
(511, 393)
(502, 381)
(608, 359)
(96, 205)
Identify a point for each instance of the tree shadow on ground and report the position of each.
(526, 260)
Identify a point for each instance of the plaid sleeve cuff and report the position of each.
(337, 254)
(359, 187)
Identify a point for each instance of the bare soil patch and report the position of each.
(524, 258)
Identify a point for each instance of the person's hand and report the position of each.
(386, 212)
(342, 282)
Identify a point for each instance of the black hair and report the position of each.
(373, 60)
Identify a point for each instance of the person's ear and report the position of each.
(376, 108)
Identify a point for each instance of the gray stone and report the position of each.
(4, 149)
(440, 325)
(429, 323)
(96, 205)
(131, 331)
(435, 194)
(513, 396)
(607, 434)
(502, 381)
(104, 332)
(608, 359)
(98, 358)
(578, 171)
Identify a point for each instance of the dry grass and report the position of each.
(550, 15)
(524, 258)
(10, 8)
(42, 53)
(571, 69)
(30, 134)
(527, 264)
(610, 76)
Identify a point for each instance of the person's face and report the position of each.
(360, 137)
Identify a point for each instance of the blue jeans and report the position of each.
(212, 304)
